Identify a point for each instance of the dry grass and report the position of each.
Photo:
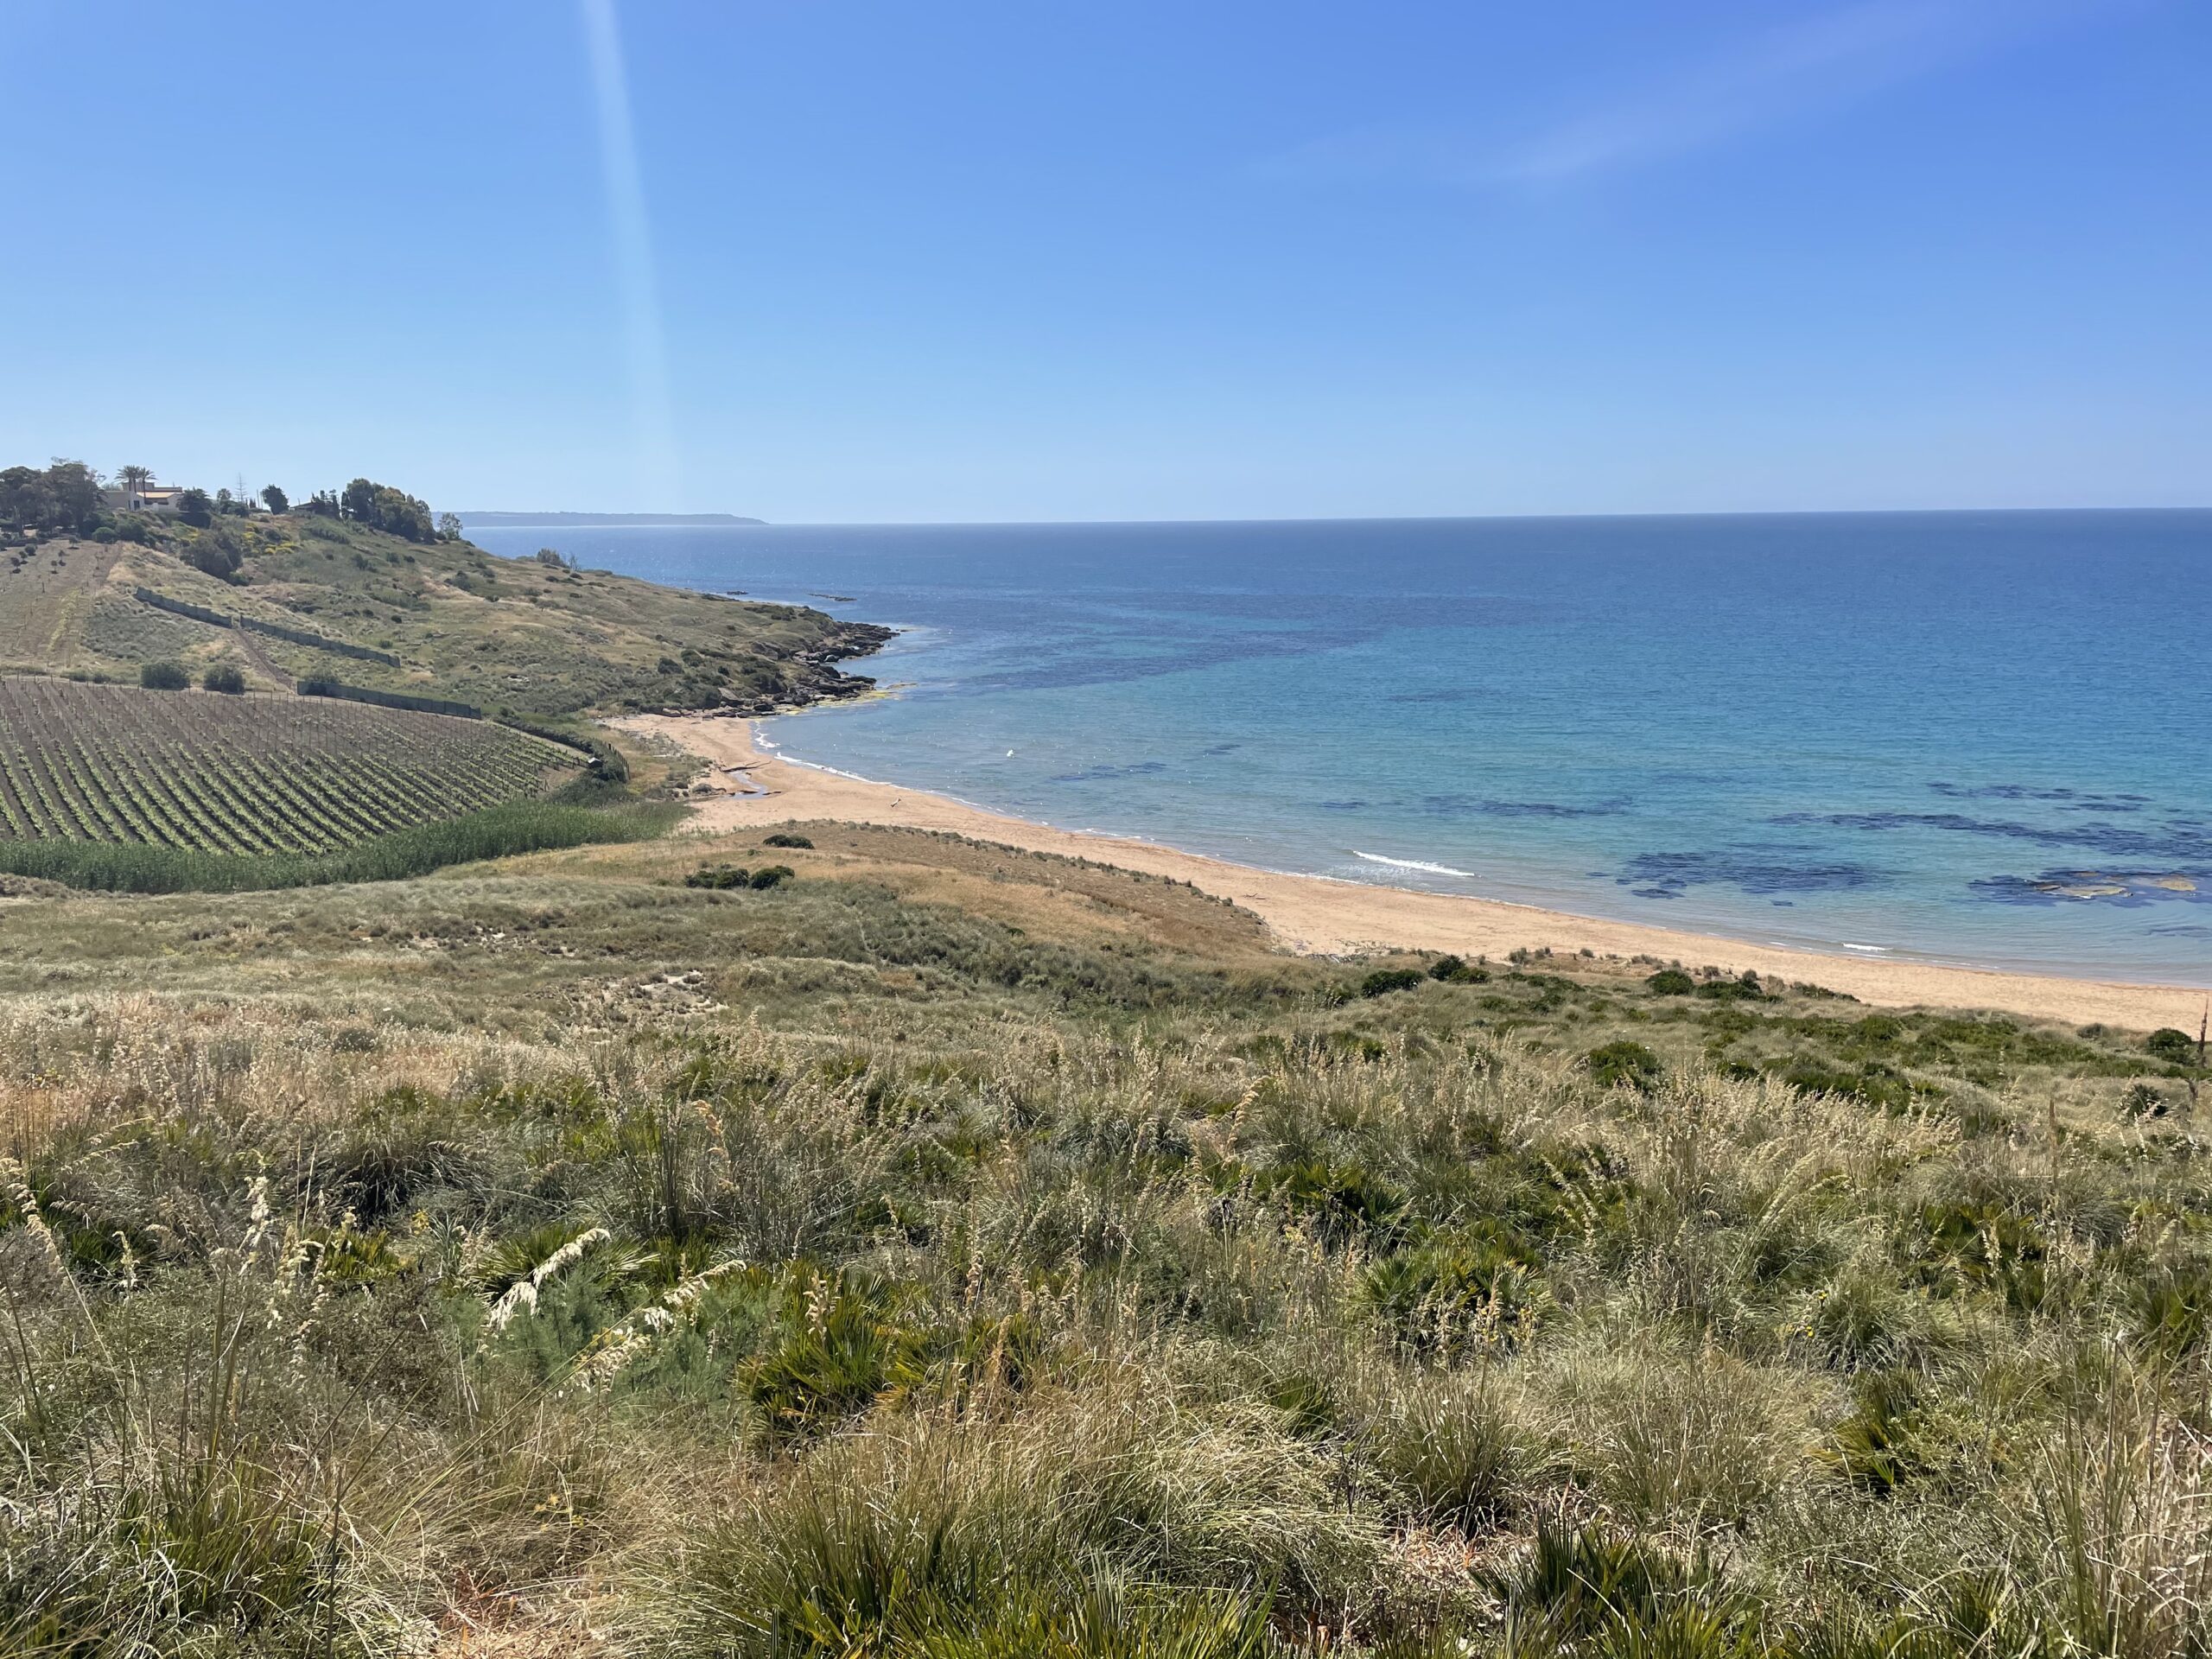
(437, 1268)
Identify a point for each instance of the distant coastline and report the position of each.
(1604, 718)
(597, 520)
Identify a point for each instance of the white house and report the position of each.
(148, 498)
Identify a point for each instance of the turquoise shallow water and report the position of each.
(1966, 737)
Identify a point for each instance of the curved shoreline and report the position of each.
(1324, 915)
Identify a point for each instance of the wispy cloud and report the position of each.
(1820, 62)
(645, 342)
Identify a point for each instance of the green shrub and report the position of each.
(1746, 989)
(2176, 1047)
(224, 677)
(1582, 1582)
(1384, 980)
(1874, 1083)
(718, 876)
(843, 1345)
(1455, 970)
(1342, 1201)
(1671, 982)
(164, 676)
(2142, 1100)
(1877, 1447)
(725, 876)
(781, 839)
(211, 555)
(1624, 1063)
(612, 765)
(1985, 1242)
(2169, 1308)
(1477, 1288)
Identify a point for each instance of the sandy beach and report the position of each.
(1319, 915)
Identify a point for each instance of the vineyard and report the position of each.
(246, 776)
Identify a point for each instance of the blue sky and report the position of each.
(821, 261)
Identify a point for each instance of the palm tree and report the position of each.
(134, 480)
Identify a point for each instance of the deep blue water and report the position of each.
(1976, 737)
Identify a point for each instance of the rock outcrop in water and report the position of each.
(812, 676)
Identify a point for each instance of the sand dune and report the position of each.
(1333, 917)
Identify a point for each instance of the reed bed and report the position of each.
(498, 831)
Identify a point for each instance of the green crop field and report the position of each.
(246, 775)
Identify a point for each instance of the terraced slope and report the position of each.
(246, 775)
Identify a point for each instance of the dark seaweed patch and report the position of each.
(1763, 873)
(2082, 800)
(1454, 806)
(2181, 839)
(1102, 774)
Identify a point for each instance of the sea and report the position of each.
(1979, 738)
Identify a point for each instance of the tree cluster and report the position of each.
(218, 551)
(199, 508)
(65, 496)
(382, 507)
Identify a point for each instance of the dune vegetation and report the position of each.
(949, 1251)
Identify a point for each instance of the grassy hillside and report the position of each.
(49, 592)
(535, 639)
(952, 1251)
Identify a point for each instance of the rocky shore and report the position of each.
(812, 676)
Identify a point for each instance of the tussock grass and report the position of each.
(1043, 1295)
(931, 1528)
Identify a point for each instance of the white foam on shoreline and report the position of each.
(1413, 864)
(835, 771)
(1564, 903)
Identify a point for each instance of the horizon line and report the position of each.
(548, 517)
